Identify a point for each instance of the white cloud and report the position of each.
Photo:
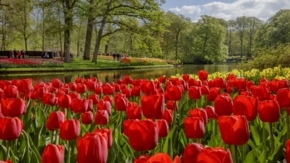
(262, 9)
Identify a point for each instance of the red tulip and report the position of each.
(142, 134)
(215, 155)
(81, 88)
(223, 104)
(153, 106)
(269, 111)
(283, 97)
(126, 92)
(94, 98)
(91, 141)
(234, 129)
(107, 134)
(204, 90)
(210, 111)
(54, 120)
(49, 99)
(185, 77)
(148, 87)
(194, 127)
(10, 128)
(105, 105)
(8, 161)
(174, 93)
(199, 112)
(160, 158)
(69, 129)
(74, 95)
(247, 106)
(64, 101)
(136, 90)
(163, 128)
(213, 93)
(142, 159)
(220, 82)
(79, 80)
(56, 83)
(98, 90)
(172, 105)
(284, 83)
(261, 92)
(10, 91)
(264, 82)
(202, 75)
(274, 85)
(194, 93)
(72, 86)
(121, 102)
(250, 84)
(108, 89)
(87, 117)
(241, 84)
(102, 117)
(25, 85)
(13, 107)
(108, 98)
(133, 111)
(191, 152)
(81, 105)
(167, 115)
(53, 154)
(288, 151)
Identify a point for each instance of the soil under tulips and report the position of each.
(212, 118)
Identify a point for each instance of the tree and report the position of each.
(178, 24)
(241, 26)
(254, 24)
(275, 31)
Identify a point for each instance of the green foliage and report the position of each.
(268, 57)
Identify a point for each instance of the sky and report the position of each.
(226, 9)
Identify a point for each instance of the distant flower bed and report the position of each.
(142, 61)
(26, 63)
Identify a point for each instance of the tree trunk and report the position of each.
(99, 37)
(98, 41)
(60, 37)
(205, 44)
(78, 42)
(176, 45)
(68, 22)
(89, 35)
(3, 46)
(241, 48)
(25, 41)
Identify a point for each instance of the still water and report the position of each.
(113, 75)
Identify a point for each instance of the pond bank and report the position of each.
(48, 70)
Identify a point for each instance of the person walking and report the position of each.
(22, 53)
(15, 53)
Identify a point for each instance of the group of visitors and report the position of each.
(118, 56)
(17, 54)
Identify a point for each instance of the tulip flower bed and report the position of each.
(26, 63)
(235, 117)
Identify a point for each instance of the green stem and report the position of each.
(7, 147)
(287, 121)
(236, 154)
(55, 139)
(68, 152)
(51, 137)
(272, 137)
(161, 144)
(244, 151)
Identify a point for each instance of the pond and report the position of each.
(113, 75)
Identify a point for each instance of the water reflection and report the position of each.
(112, 76)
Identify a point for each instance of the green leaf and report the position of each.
(255, 135)
(250, 158)
(262, 158)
